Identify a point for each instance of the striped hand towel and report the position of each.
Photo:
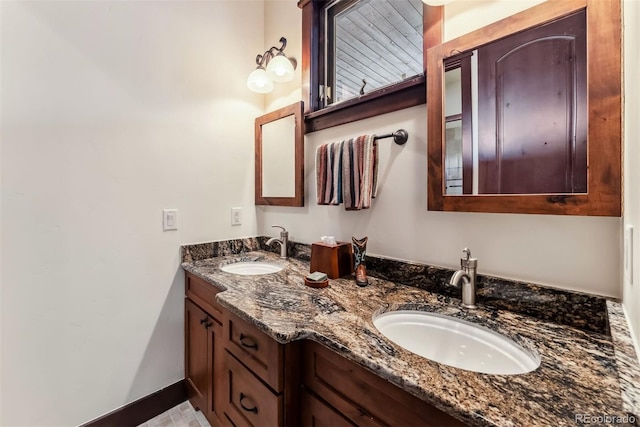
(321, 173)
(328, 174)
(359, 172)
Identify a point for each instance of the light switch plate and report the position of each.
(628, 254)
(236, 216)
(169, 219)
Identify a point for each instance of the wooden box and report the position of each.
(334, 260)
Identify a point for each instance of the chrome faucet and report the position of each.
(283, 240)
(467, 274)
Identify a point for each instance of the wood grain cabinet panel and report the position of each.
(249, 403)
(363, 397)
(195, 366)
(203, 294)
(255, 349)
(204, 348)
(316, 413)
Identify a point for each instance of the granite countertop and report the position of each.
(581, 372)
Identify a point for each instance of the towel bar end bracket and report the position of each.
(400, 136)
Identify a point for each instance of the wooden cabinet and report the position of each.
(317, 413)
(360, 396)
(204, 349)
(236, 374)
(196, 346)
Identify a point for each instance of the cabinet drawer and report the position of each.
(203, 294)
(248, 402)
(315, 413)
(363, 397)
(255, 349)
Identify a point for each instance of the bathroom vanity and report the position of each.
(238, 375)
(268, 350)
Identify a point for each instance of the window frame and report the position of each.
(405, 94)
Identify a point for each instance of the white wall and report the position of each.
(464, 16)
(282, 18)
(578, 253)
(631, 294)
(112, 111)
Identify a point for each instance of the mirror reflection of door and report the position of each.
(453, 133)
(530, 96)
(458, 136)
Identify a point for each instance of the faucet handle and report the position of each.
(467, 261)
(284, 230)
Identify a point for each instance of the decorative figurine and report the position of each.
(359, 251)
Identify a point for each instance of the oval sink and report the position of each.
(455, 342)
(251, 268)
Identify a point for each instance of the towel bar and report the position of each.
(399, 137)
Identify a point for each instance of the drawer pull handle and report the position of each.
(203, 321)
(208, 325)
(244, 343)
(254, 409)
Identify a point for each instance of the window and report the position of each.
(373, 59)
(371, 44)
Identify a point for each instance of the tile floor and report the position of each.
(182, 415)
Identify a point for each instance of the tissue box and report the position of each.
(334, 260)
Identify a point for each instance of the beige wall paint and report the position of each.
(578, 253)
(631, 292)
(111, 112)
(464, 16)
(282, 18)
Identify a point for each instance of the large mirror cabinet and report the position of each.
(524, 115)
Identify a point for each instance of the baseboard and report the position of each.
(143, 409)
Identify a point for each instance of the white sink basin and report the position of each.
(455, 342)
(251, 268)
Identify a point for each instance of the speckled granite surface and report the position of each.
(626, 358)
(581, 372)
(586, 312)
(582, 311)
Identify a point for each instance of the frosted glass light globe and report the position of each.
(259, 82)
(280, 69)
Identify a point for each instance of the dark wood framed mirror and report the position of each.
(598, 194)
(279, 157)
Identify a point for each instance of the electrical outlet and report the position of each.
(236, 216)
(169, 219)
(628, 254)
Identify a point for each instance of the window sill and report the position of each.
(406, 94)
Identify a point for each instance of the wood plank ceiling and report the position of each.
(379, 41)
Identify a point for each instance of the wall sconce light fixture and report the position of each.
(279, 69)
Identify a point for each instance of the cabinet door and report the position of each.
(316, 413)
(215, 363)
(196, 360)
